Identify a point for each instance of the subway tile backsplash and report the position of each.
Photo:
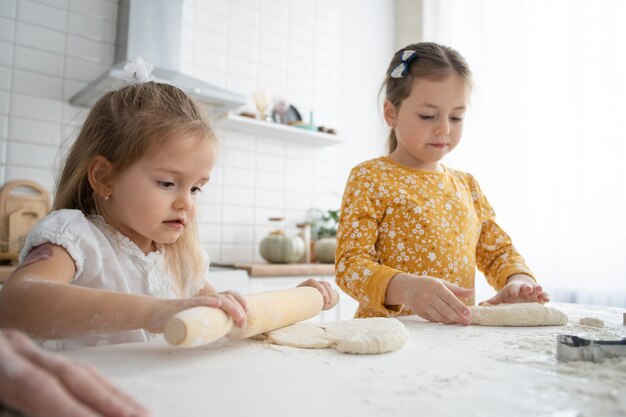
(50, 49)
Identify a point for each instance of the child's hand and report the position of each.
(230, 302)
(520, 288)
(431, 298)
(331, 297)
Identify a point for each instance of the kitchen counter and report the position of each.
(443, 370)
(276, 270)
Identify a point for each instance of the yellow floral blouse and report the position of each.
(398, 219)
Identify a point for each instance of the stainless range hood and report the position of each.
(152, 29)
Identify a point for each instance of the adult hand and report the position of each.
(431, 298)
(42, 384)
(520, 288)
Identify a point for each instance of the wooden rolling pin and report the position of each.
(268, 311)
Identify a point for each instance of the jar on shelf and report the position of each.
(304, 231)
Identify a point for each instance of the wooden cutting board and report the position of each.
(268, 270)
(22, 204)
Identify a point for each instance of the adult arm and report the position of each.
(63, 388)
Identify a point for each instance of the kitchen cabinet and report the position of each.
(262, 128)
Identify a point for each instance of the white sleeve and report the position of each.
(79, 237)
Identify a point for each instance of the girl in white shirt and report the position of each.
(123, 227)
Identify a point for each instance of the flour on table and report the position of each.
(361, 336)
(591, 321)
(520, 314)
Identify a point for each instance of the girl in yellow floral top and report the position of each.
(413, 231)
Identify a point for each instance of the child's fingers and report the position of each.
(333, 296)
(537, 290)
(206, 301)
(435, 316)
(240, 299)
(329, 292)
(535, 295)
(461, 312)
(449, 314)
(324, 290)
(308, 283)
(512, 292)
(318, 286)
(459, 292)
(529, 290)
(496, 299)
(232, 307)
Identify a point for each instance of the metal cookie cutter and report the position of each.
(574, 348)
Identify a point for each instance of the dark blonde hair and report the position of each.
(122, 126)
(433, 62)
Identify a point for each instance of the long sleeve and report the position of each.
(496, 257)
(357, 266)
(395, 219)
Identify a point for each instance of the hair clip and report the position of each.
(137, 71)
(408, 55)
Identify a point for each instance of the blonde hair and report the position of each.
(122, 126)
(433, 62)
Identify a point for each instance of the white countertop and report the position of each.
(443, 370)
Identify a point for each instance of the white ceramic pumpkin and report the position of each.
(325, 250)
(280, 249)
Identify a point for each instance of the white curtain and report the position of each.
(546, 131)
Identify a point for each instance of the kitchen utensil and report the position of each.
(268, 311)
(22, 204)
(262, 100)
(288, 117)
(574, 348)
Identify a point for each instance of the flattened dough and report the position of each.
(520, 314)
(360, 336)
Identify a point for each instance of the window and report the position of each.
(546, 131)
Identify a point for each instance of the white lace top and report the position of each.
(108, 260)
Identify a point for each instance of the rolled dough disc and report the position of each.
(360, 336)
(519, 314)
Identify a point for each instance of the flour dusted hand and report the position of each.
(520, 288)
(230, 302)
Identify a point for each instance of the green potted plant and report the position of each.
(324, 232)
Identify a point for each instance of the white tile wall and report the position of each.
(7, 30)
(50, 49)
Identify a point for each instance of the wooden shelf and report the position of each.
(286, 270)
(276, 130)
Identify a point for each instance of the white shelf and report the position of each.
(276, 130)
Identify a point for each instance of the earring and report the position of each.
(106, 197)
